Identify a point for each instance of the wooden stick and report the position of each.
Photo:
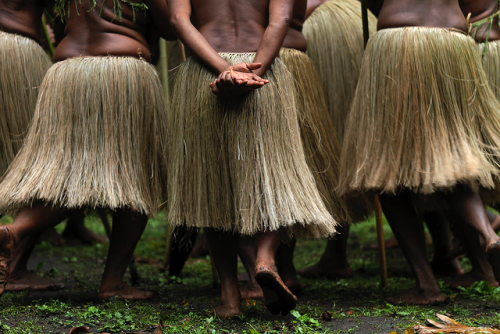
(163, 66)
(364, 17)
(378, 207)
(47, 37)
(381, 242)
(183, 51)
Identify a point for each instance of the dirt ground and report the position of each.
(182, 304)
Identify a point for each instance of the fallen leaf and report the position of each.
(326, 316)
(159, 329)
(348, 312)
(79, 330)
(452, 326)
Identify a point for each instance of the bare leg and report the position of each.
(200, 248)
(333, 264)
(494, 220)
(409, 231)
(223, 248)
(276, 294)
(128, 227)
(481, 269)
(443, 262)
(468, 209)
(75, 228)
(247, 252)
(183, 240)
(20, 278)
(286, 268)
(29, 222)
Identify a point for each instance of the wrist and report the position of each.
(223, 68)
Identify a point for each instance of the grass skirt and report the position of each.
(423, 117)
(239, 165)
(334, 33)
(95, 139)
(491, 64)
(321, 146)
(23, 64)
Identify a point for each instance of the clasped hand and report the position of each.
(237, 79)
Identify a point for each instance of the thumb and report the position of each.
(254, 66)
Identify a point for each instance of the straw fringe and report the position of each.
(321, 146)
(95, 139)
(238, 165)
(491, 64)
(334, 33)
(23, 64)
(437, 130)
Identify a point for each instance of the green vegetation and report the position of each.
(182, 304)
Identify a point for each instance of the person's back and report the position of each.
(100, 30)
(422, 13)
(241, 28)
(479, 10)
(22, 17)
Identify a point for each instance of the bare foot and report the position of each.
(447, 267)
(7, 246)
(30, 281)
(414, 297)
(329, 271)
(124, 291)
(251, 291)
(493, 252)
(226, 312)
(276, 294)
(468, 279)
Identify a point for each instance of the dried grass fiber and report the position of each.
(334, 33)
(238, 165)
(423, 117)
(321, 145)
(23, 64)
(95, 140)
(490, 53)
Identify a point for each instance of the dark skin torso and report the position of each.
(22, 17)
(480, 9)
(241, 32)
(421, 13)
(294, 38)
(96, 33)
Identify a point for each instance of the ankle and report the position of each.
(112, 285)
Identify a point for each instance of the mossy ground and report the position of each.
(357, 305)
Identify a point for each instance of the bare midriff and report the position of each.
(22, 17)
(422, 13)
(100, 33)
(479, 10)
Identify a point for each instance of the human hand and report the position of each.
(236, 80)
